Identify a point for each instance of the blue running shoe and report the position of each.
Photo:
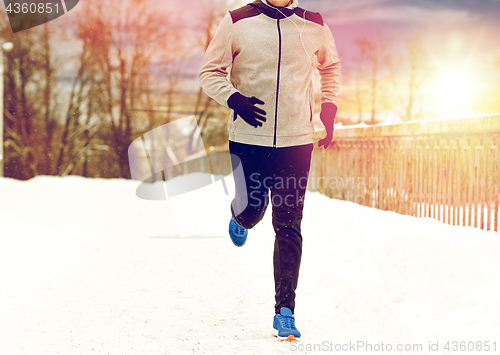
(284, 323)
(237, 233)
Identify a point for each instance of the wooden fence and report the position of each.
(446, 169)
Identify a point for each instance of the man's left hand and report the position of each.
(327, 116)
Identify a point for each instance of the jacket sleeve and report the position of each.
(218, 58)
(329, 68)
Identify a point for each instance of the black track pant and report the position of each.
(283, 172)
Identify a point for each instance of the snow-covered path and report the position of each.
(86, 267)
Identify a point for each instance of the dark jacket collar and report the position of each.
(273, 12)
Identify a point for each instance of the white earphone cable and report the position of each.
(300, 32)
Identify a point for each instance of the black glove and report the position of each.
(244, 107)
(327, 115)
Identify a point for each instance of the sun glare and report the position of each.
(453, 94)
(455, 89)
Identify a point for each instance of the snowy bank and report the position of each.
(89, 268)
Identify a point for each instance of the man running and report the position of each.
(260, 64)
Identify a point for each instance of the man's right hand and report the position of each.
(246, 109)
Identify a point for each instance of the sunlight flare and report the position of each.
(455, 89)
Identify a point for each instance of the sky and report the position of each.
(452, 29)
(459, 36)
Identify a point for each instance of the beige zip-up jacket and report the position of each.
(267, 52)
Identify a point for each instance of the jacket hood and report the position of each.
(293, 5)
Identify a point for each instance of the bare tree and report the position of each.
(75, 135)
(372, 56)
(80, 118)
(123, 39)
(409, 76)
(358, 77)
(29, 127)
(39, 140)
(419, 73)
(214, 11)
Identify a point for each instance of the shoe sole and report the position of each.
(288, 338)
(235, 243)
(275, 333)
(237, 240)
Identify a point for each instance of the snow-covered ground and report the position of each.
(86, 267)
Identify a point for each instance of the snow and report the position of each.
(361, 124)
(86, 267)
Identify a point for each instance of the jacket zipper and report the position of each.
(277, 86)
